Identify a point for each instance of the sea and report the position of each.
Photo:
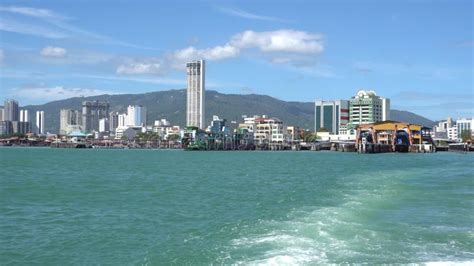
(161, 207)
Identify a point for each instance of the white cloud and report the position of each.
(294, 45)
(30, 29)
(291, 41)
(139, 68)
(245, 14)
(32, 12)
(190, 53)
(44, 94)
(157, 81)
(53, 26)
(2, 56)
(51, 51)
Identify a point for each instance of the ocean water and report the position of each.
(150, 207)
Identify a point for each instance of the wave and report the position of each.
(367, 226)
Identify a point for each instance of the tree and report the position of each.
(309, 136)
(466, 135)
(173, 137)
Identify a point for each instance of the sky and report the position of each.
(417, 53)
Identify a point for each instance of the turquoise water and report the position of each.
(66, 206)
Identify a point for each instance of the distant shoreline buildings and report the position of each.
(341, 117)
(333, 120)
(16, 121)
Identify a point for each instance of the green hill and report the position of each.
(172, 106)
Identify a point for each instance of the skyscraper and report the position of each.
(24, 117)
(40, 122)
(122, 120)
(331, 115)
(92, 112)
(113, 121)
(24, 124)
(195, 94)
(11, 111)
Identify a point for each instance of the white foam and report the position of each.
(446, 263)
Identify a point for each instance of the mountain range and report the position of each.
(171, 105)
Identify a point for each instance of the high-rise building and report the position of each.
(24, 116)
(40, 122)
(69, 121)
(11, 111)
(366, 107)
(22, 126)
(113, 121)
(6, 128)
(332, 116)
(1, 114)
(104, 125)
(136, 116)
(195, 94)
(92, 112)
(122, 121)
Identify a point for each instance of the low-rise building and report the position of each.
(464, 125)
(269, 130)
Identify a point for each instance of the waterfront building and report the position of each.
(440, 131)
(294, 133)
(69, 121)
(164, 128)
(40, 122)
(11, 111)
(269, 130)
(128, 133)
(332, 116)
(452, 133)
(195, 94)
(464, 124)
(136, 116)
(248, 124)
(1, 114)
(366, 107)
(217, 125)
(92, 112)
(172, 130)
(395, 136)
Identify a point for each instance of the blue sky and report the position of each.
(417, 53)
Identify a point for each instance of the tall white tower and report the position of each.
(24, 117)
(195, 95)
(40, 122)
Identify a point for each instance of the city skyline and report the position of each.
(419, 55)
